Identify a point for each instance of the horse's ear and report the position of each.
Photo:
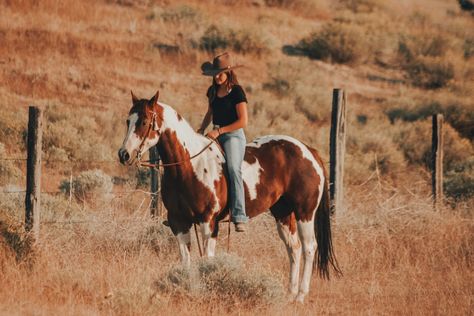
(155, 98)
(134, 98)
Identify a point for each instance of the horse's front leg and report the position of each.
(209, 238)
(182, 233)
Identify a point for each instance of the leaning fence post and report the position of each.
(155, 208)
(337, 146)
(437, 160)
(33, 171)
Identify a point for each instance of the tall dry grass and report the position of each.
(398, 257)
(80, 60)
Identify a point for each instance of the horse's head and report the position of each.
(143, 128)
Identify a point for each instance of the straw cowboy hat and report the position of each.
(219, 64)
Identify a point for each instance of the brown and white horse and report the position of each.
(280, 173)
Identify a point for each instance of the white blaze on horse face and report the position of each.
(251, 176)
(131, 141)
(207, 166)
(304, 150)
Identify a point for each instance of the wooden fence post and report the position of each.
(337, 146)
(155, 206)
(33, 171)
(437, 154)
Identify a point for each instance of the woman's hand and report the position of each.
(213, 134)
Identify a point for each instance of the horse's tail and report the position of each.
(322, 228)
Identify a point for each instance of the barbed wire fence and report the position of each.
(336, 168)
(144, 203)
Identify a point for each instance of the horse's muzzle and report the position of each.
(124, 156)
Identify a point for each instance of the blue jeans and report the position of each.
(233, 144)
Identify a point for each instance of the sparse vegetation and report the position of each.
(227, 279)
(423, 58)
(458, 115)
(399, 64)
(243, 41)
(9, 173)
(335, 42)
(89, 185)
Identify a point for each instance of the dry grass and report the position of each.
(80, 59)
(398, 257)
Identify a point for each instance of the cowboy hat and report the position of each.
(219, 64)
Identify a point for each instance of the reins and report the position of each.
(148, 163)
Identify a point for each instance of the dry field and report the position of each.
(399, 61)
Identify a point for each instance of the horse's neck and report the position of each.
(177, 137)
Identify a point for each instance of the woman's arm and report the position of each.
(241, 120)
(206, 121)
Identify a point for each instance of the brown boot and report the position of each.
(240, 227)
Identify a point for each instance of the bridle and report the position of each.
(147, 163)
(151, 126)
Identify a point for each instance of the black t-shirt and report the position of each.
(224, 110)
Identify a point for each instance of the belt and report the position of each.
(216, 126)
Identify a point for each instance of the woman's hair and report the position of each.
(231, 81)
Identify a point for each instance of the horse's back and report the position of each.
(290, 149)
(280, 166)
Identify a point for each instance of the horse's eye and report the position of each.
(128, 122)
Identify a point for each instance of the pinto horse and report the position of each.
(280, 173)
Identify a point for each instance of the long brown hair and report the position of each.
(231, 81)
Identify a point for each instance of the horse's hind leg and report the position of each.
(308, 240)
(287, 230)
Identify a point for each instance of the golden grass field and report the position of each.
(398, 61)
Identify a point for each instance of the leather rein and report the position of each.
(148, 163)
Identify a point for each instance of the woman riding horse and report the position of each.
(228, 111)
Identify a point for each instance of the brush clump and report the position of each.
(225, 278)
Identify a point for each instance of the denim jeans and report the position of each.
(233, 144)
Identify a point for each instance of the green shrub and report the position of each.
(90, 184)
(336, 42)
(242, 41)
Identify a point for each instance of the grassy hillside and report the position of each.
(398, 61)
